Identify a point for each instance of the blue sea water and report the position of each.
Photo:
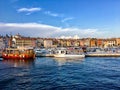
(91, 73)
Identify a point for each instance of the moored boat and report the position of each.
(44, 53)
(18, 53)
(67, 53)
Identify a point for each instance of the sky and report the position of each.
(60, 18)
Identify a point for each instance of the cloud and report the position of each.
(27, 29)
(66, 19)
(70, 37)
(29, 10)
(52, 14)
(42, 30)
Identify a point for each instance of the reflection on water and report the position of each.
(63, 61)
(1, 59)
(19, 62)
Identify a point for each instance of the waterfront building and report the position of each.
(69, 43)
(48, 43)
(18, 40)
(110, 42)
(76, 42)
(72, 42)
(39, 42)
(23, 42)
(87, 42)
(82, 42)
(93, 42)
(100, 42)
(55, 42)
(63, 42)
(118, 41)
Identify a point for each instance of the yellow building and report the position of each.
(118, 41)
(93, 43)
(68, 43)
(77, 43)
(110, 42)
(23, 42)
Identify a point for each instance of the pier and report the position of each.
(103, 55)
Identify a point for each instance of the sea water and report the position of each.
(91, 73)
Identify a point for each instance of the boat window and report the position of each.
(3, 51)
(11, 51)
(16, 52)
(62, 52)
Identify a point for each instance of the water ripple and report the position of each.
(60, 74)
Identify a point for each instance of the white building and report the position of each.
(48, 43)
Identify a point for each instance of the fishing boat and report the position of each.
(69, 53)
(18, 53)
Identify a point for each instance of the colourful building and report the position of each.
(110, 42)
(100, 42)
(93, 42)
(118, 41)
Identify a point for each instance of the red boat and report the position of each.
(15, 53)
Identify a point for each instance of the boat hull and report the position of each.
(21, 56)
(69, 56)
(44, 55)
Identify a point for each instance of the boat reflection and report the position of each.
(63, 61)
(19, 62)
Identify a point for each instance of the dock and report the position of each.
(103, 55)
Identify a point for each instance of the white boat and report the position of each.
(43, 53)
(68, 53)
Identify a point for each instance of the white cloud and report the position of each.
(53, 14)
(66, 19)
(29, 10)
(28, 29)
(69, 37)
(42, 30)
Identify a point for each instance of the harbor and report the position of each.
(14, 53)
(59, 44)
(78, 52)
(55, 47)
(61, 52)
(54, 67)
